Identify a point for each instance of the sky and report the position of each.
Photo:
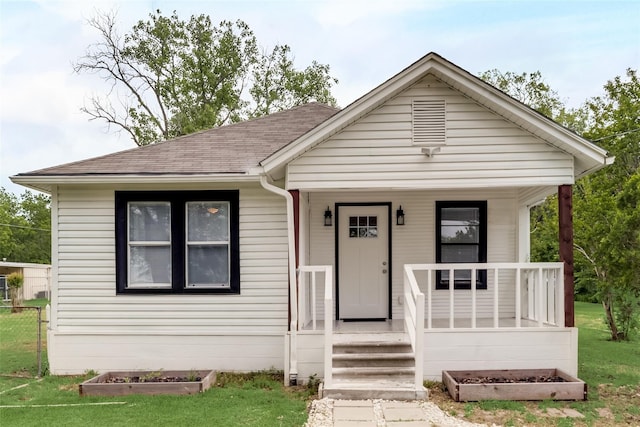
(577, 46)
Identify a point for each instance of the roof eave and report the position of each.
(46, 182)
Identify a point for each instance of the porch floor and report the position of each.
(397, 325)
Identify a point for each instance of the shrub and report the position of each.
(15, 282)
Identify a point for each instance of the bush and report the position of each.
(15, 282)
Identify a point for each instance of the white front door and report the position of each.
(363, 262)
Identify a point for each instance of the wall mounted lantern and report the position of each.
(400, 216)
(328, 221)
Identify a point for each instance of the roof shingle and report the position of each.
(232, 148)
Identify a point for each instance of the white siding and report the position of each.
(482, 149)
(414, 242)
(76, 353)
(529, 348)
(85, 304)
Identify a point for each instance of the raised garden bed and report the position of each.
(148, 382)
(513, 384)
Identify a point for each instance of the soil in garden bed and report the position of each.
(150, 379)
(494, 380)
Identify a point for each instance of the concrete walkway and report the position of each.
(379, 413)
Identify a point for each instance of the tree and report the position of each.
(606, 204)
(531, 89)
(25, 227)
(15, 282)
(607, 207)
(171, 77)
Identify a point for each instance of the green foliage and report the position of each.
(607, 211)
(25, 227)
(176, 77)
(15, 280)
(606, 203)
(531, 89)
(229, 406)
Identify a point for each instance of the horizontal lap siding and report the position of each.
(77, 353)
(527, 348)
(86, 292)
(414, 243)
(482, 149)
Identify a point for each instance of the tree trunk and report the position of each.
(607, 303)
(16, 299)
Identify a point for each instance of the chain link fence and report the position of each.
(22, 341)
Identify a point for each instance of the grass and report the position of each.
(18, 340)
(257, 399)
(610, 369)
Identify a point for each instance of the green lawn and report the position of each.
(258, 400)
(612, 371)
(18, 340)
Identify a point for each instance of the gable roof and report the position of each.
(588, 156)
(267, 144)
(231, 150)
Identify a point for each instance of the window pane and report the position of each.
(460, 225)
(208, 265)
(460, 234)
(150, 266)
(460, 275)
(149, 221)
(462, 216)
(459, 253)
(208, 221)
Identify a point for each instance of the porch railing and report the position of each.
(414, 321)
(538, 291)
(307, 310)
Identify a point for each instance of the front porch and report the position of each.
(519, 324)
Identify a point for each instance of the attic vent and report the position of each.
(428, 122)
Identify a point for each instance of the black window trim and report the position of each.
(481, 278)
(178, 200)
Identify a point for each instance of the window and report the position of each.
(363, 227)
(461, 237)
(177, 242)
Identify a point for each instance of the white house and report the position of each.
(323, 241)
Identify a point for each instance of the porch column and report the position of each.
(296, 222)
(296, 227)
(565, 240)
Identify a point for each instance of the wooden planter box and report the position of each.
(569, 389)
(99, 385)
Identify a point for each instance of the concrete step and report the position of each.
(388, 390)
(371, 347)
(373, 373)
(347, 360)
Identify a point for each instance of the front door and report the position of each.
(363, 262)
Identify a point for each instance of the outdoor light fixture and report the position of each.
(328, 221)
(400, 216)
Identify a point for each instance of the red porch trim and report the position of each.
(565, 240)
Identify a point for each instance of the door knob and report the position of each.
(384, 271)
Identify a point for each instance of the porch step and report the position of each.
(371, 373)
(373, 367)
(353, 360)
(372, 390)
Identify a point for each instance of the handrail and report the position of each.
(414, 322)
(328, 311)
(545, 294)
